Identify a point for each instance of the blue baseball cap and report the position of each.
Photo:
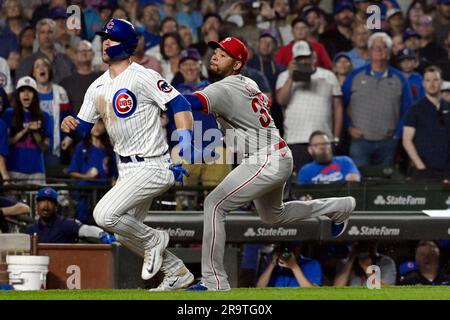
(410, 34)
(47, 193)
(58, 13)
(406, 54)
(341, 55)
(190, 53)
(343, 5)
(407, 266)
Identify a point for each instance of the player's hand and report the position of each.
(69, 124)
(178, 172)
(107, 238)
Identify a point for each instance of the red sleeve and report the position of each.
(203, 100)
(284, 55)
(323, 59)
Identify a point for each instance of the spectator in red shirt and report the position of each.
(301, 30)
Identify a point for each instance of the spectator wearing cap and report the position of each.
(360, 53)
(429, 272)
(407, 62)
(426, 135)
(62, 66)
(445, 91)
(189, 17)
(51, 227)
(30, 131)
(395, 21)
(442, 20)
(342, 66)
(263, 61)
(376, 97)
(429, 50)
(339, 39)
(301, 31)
(310, 104)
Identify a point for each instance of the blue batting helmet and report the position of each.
(121, 31)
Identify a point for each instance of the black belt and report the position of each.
(130, 159)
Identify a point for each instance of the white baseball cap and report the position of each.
(301, 49)
(26, 81)
(445, 86)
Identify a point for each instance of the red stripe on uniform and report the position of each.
(214, 215)
(203, 100)
(65, 107)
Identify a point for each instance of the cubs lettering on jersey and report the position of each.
(130, 106)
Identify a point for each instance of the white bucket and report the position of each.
(28, 272)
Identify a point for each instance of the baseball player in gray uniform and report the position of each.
(129, 99)
(239, 105)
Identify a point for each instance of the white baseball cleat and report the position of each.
(180, 280)
(153, 257)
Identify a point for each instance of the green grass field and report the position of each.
(324, 293)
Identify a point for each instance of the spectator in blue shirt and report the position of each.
(408, 62)
(286, 267)
(377, 97)
(151, 20)
(326, 168)
(426, 135)
(189, 17)
(93, 164)
(9, 41)
(30, 131)
(54, 228)
(4, 175)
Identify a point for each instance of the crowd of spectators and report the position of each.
(344, 95)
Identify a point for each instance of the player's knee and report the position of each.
(269, 219)
(102, 217)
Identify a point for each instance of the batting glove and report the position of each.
(107, 238)
(178, 172)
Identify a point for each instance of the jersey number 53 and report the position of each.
(259, 105)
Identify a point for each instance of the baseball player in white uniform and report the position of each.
(129, 99)
(239, 105)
